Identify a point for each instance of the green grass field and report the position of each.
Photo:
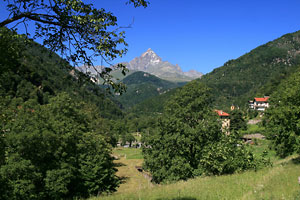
(277, 182)
(261, 146)
(254, 128)
(128, 153)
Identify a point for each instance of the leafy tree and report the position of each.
(251, 113)
(75, 29)
(127, 137)
(282, 119)
(189, 141)
(53, 152)
(237, 122)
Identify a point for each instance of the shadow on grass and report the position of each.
(123, 179)
(296, 160)
(178, 198)
(119, 164)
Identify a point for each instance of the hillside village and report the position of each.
(259, 104)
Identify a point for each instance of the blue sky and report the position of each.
(199, 34)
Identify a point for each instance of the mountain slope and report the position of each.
(153, 105)
(254, 73)
(40, 75)
(142, 86)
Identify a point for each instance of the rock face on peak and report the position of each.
(143, 62)
(150, 62)
(151, 56)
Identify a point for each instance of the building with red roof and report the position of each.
(259, 103)
(221, 113)
(225, 120)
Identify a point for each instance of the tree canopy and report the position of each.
(54, 152)
(237, 122)
(76, 30)
(189, 141)
(282, 119)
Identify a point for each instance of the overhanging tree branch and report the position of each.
(73, 28)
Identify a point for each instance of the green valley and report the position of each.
(143, 129)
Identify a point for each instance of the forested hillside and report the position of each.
(56, 129)
(39, 75)
(142, 86)
(255, 73)
(153, 105)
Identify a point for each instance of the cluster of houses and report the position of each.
(258, 103)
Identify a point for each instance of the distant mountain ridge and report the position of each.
(150, 62)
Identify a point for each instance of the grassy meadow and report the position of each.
(277, 182)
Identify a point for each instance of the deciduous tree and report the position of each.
(237, 122)
(282, 119)
(53, 152)
(189, 141)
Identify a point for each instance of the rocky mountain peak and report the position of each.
(151, 57)
(150, 62)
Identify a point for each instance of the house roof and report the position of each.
(261, 99)
(221, 113)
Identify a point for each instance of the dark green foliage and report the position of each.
(52, 152)
(154, 105)
(237, 122)
(28, 71)
(252, 113)
(282, 119)
(54, 142)
(189, 141)
(255, 73)
(142, 86)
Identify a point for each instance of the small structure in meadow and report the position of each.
(250, 137)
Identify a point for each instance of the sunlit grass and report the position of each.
(277, 182)
(261, 147)
(254, 128)
(128, 153)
